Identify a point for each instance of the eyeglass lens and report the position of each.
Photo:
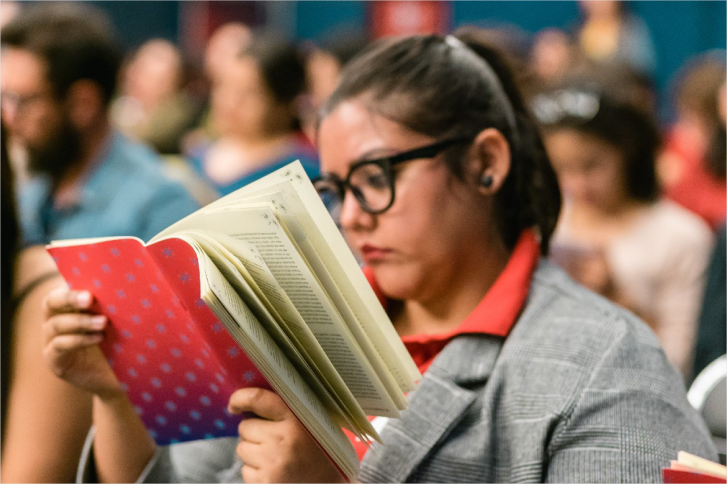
(371, 186)
(370, 183)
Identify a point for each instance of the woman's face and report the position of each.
(590, 170)
(241, 102)
(417, 246)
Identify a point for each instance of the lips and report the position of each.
(372, 254)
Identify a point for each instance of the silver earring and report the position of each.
(486, 180)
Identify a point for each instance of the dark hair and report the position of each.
(75, 41)
(716, 156)
(281, 65)
(10, 238)
(698, 83)
(591, 108)
(697, 89)
(444, 88)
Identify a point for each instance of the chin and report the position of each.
(396, 282)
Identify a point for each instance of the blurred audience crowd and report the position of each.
(99, 144)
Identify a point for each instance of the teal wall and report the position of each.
(313, 19)
(680, 28)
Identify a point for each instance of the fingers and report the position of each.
(249, 453)
(281, 451)
(73, 323)
(256, 430)
(64, 300)
(70, 342)
(263, 403)
(251, 474)
(61, 348)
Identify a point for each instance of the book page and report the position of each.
(283, 377)
(279, 202)
(260, 227)
(328, 242)
(701, 464)
(293, 323)
(300, 346)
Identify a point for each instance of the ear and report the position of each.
(490, 163)
(84, 102)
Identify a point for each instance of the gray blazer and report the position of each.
(580, 391)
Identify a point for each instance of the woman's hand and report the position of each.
(595, 274)
(592, 271)
(71, 336)
(275, 447)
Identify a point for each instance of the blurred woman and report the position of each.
(616, 235)
(254, 110)
(610, 31)
(444, 188)
(154, 106)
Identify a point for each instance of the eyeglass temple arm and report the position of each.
(425, 152)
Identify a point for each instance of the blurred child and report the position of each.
(618, 236)
(611, 32)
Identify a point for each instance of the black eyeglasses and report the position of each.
(372, 181)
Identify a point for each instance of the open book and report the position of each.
(256, 289)
(691, 468)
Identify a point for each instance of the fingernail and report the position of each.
(83, 299)
(98, 321)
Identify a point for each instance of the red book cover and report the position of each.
(173, 357)
(680, 476)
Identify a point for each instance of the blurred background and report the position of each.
(678, 30)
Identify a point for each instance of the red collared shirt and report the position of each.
(494, 315)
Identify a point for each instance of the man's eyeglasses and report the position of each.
(18, 102)
(372, 181)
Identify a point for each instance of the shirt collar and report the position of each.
(499, 309)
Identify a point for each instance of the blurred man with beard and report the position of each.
(59, 71)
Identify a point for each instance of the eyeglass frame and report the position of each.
(386, 163)
(19, 102)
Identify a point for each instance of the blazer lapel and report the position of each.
(434, 409)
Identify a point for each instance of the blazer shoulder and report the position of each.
(566, 334)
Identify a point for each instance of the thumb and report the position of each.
(263, 403)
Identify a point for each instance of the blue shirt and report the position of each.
(125, 193)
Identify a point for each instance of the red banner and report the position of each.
(394, 18)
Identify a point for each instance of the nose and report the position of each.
(9, 113)
(353, 217)
(575, 185)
